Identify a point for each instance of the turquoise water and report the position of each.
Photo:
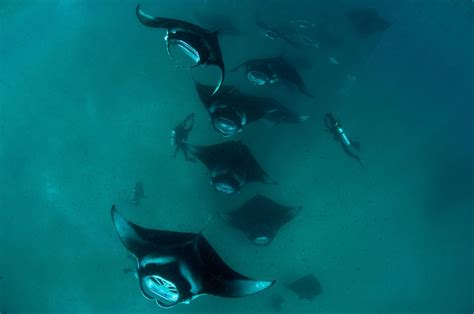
(88, 97)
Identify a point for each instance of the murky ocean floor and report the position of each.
(88, 97)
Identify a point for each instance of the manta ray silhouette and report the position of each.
(260, 218)
(200, 44)
(271, 71)
(368, 21)
(231, 165)
(177, 267)
(230, 110)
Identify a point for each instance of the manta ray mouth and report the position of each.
(185, 48)
(258, 78)
(308, 41)
(262, 240)
(226, 127)
(164, 291)
(227, 121)
(225, 188)
(226, 183)
(271, 34)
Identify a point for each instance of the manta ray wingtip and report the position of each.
(293, 212)
(113, 212)
(267, 284)
(138, 12)
(245, 287)
(221, 79)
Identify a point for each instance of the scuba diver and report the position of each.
(351, 147)
(137, 194)
(179, 135)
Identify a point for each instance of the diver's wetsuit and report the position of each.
(179, 135)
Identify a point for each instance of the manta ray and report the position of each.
(230, 110)
(177, 267)
(271, 71)
(231, 165)
(260, 218)
(200, 44)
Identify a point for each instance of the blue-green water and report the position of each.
(88, 97)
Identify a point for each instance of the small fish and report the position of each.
(333, 60)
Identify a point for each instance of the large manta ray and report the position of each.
(260, 218)
(231, 165)
(198, 43)
(176, 267)
(271, 71)
(368, 21)
(231, 110)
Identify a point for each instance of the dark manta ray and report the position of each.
(306, 287)
(271, 71)
(260, 218)
(368, 21)
(231, 110)
(177, 267)
(198, 43)
(231, 165)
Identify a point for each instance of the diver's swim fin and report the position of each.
(356, 144)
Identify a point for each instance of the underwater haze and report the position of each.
(89, 96)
